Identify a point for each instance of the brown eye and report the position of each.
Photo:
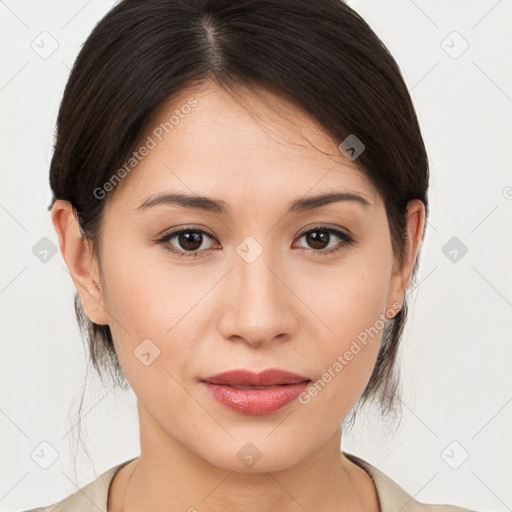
(190, 241)
(319, 239)
(186, 242)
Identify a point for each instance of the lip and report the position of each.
(241, 390)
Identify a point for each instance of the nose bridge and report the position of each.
(261, 304)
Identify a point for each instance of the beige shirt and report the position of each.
(392, 498)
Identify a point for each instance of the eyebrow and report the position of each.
(221, 207)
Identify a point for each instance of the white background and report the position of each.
(457, 351)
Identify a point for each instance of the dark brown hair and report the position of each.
(320, 53)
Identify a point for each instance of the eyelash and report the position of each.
(346, 239)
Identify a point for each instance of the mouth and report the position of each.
(257, 387)
(268, 378)
(252, 393)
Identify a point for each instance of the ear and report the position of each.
(83, 267)
(402, 274)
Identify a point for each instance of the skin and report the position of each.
(292, 308)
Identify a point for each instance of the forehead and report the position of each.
(254, 142)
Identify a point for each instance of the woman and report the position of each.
(240, 194)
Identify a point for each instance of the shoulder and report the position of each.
(92, 497)
(392, 497)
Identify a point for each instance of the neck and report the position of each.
(169, 476)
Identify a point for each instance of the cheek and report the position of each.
(141, 290)
(351, 307)
(349, 299)
(151, 318)
(149, 297)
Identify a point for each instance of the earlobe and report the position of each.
(77, 253)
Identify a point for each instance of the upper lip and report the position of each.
(271, 377)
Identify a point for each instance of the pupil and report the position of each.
(318, 239)
(190, 240)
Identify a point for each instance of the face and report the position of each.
(254, 283)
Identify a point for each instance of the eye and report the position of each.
(188, 242)
(320, 240)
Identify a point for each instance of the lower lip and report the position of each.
(256, 401)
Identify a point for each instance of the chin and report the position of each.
(253, 457)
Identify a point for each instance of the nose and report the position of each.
(260, 307)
